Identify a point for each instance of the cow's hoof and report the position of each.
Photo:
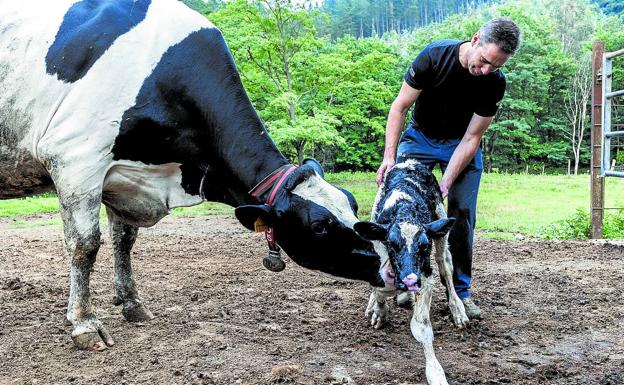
(134, 311)
(91, 336)
(89, 341)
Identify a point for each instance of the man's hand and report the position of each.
(444, 188)
(385, 166)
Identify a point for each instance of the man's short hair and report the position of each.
(503, 32)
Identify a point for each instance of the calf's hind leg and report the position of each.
(123, 236)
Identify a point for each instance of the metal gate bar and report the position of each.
(607, 97)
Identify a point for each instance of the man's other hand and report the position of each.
(385, 166)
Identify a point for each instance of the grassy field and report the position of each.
(509, 204)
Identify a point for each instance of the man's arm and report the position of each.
(465, 150)
(396, 119)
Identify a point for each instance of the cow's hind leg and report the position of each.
(123, 236)
(422, 331)
(445, 266)
(81, 226)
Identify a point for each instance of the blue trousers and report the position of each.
(462, 197)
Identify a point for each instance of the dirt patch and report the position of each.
(554, 315)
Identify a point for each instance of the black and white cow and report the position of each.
(137, 104)
(408, 216)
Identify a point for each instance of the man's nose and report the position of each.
(486, 69)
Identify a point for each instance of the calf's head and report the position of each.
(409, 248)
(313, 223)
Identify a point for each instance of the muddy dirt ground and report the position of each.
(554, 315)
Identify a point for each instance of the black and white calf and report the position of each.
(408, 216)
(138, 104)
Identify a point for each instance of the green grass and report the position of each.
(508, 203)
(45, 203)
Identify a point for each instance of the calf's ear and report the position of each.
(252, 215)
(439, 228)
(371, 231)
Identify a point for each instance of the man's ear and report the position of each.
(439, 228)
(249, 214)
(475, 39)
(371, 231)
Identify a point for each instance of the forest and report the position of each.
(322, 75)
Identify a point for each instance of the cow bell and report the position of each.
(274, 261)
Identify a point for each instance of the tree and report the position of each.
(576, 107)
(274, 40)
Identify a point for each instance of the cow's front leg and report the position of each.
(377, 309)
(422, 331)
(445, 266)
(123, 236)
(81, 227)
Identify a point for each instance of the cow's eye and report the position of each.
(319, 228)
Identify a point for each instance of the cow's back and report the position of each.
(68, 72)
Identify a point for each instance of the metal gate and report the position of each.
(602, 132)
(607, 113)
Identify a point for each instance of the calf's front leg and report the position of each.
(377, 309)
(445, 266)
(422, 331)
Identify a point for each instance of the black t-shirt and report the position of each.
(450, 94)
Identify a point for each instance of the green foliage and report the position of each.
(613, 7)
(306, 71)
(202, 6)
(578, 226)
(371, 18)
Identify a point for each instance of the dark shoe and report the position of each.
(472, 310)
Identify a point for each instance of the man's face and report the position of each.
(485, 58)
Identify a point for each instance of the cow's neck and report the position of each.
(240, 152)
(245, 158)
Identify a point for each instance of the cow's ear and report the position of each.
(351, 199)
(250, 214)
(371, 231)
(439, 228)
(315, 165)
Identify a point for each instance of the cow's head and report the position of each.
(313, 222)
(409, 248)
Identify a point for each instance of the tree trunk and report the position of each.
(300, 148)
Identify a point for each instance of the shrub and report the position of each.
(578, 226)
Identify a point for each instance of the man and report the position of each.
(456, 88)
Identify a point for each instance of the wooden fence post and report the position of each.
(597, 181)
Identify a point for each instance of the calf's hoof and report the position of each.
(378, 314)
(405, 300)
(134, 311)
